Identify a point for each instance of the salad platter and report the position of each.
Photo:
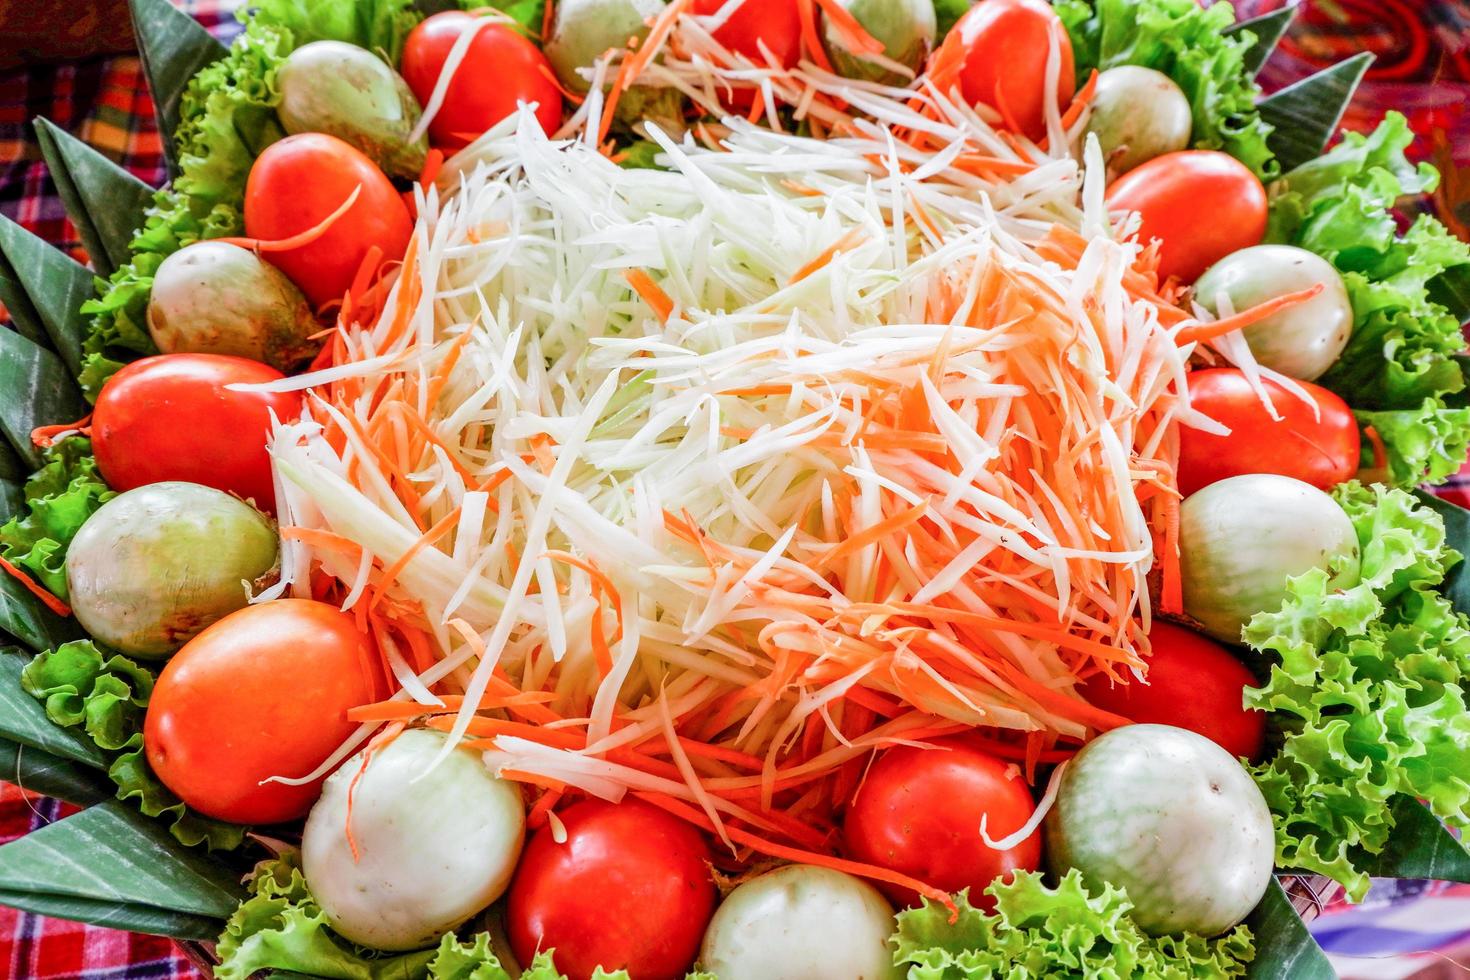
(735, 489)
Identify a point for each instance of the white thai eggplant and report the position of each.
(435, 844)
(348, 92)
(1241, 539)
(1171, 818)
(1301, 342)
(156, 565)
(906, 28)
(801, 922)
(217, 298)
(1138, 114)
(585, 30)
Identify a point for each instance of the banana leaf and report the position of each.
(105, 202)
(17, 302)
(1269, 29)
(174, 47)
(55, 285)
(1421, 847)
(1284, 947)
(41, 772)
(111, 857)
(23, 617)
(23, 719)
(1451, 289)
(1456, 585)
(115, 915)
(13, 474)
(36, 389)
(1306, 114)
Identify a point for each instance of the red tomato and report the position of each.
(1005, 45)
(1193, 683)
(629, 890)
(500, 70)
(173, 417)
(918, 811)
(1320, 449)
(1200, 204)
(300, 181)
(263, 692)
(774, 23)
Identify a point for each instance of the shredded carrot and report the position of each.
(1380, 451)
(301, 239)
(1209, 331)
(433, 163)
(1171, 598)
(811, 40)
(430, 536)
(378, 742)
(849, 30)
(43, 436)
(536, 817)
(50, 601)
(819, 859)
(1080, 102)
(848, 241)
(575, 98)
(981, 507)
(651, 293)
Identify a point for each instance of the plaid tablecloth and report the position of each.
(1423, 69)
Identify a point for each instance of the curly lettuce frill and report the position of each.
(58, 499)
(106, 696)
(1188, 43)
(1070, 931)
(1367, 693)
(282, 927)
(228, 115)
(1401, 365)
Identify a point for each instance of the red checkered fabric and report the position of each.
(33, 947)
(103, 101)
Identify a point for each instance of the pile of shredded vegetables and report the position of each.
(701, 484)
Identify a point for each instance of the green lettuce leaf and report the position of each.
(282, 927)
(1071, 930)
(378, 25)
(1367, 693)
(476, 960)
(948, 12)
(59, 497)
(527, 13)
(1188, 43)
(227, 117)
(1427, 444)
(106, 695)
(1401, 362)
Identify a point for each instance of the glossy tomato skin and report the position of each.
(174, 418)
(629, 889)
(774, 23)
(1193, 683)
(300, 181)
(1005, 45)
(263, 692)
(1200, 204)
(918, 811)
(500, 70)
(1321, 448)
